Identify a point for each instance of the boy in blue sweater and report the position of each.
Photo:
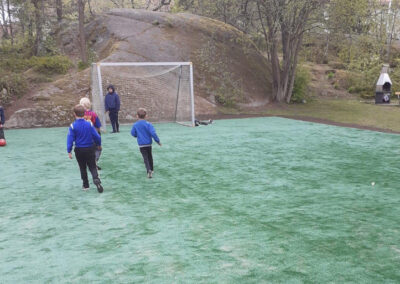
(85, 137)
(145, 133)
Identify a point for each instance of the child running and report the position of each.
(145, 133)
(85, 137)
(92, 117)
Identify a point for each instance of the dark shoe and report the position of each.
(98, 168)
(97, 182)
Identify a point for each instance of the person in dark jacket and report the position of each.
(112, 106)
(85, 137)
(2, 121)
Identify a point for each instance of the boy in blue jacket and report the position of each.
(85, 137)
(145, 133)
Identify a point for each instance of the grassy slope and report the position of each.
(343, 111)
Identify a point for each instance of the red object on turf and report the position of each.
(3, 142)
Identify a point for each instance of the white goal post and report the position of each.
(165, 89)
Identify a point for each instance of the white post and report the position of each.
(192, 93)
(102, 107)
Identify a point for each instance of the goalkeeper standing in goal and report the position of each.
(112, 106)
(145, 133)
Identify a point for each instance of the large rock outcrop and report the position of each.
(229, 70)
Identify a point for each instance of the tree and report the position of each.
(38, 48)
(283, 24)
(10, 22)
(59, 11)
(239, 13)
(82, 39)
(393, 15)
(4, 22)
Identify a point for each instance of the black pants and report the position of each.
(2, 133)
(147, 158)
(114, 120)
(97, 152)
(86, 158)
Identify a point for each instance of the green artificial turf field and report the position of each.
(261, 200)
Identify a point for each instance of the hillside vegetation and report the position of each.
(244, 56)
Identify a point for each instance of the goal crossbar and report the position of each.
(144, 63)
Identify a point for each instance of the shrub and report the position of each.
(337, 65)
(83, 65)
(52, 64)
(15, 86)
(300, 88)
(39, 78)
(331, 75)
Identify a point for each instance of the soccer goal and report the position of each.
(165, 89)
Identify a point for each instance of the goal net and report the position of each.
(165, 90)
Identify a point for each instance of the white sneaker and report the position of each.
(85, 188)
(150, 174)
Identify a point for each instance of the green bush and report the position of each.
(337, 65)
(331, 75)
(14, 64)
(39, 78)
(83, 65)
(15, 86)
(300, 88)
(51, 64)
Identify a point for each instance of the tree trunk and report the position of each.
(90, 7)
(292, 75)
(82, 39)
(3, 16)
(390, 37)
(30, 31)
(59, 11)
(38, 48)
(133, 4)
(10, 22)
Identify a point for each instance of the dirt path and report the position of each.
(321, 86)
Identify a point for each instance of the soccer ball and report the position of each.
(3, 142)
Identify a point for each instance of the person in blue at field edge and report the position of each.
(145, 133)
(86, 138)
(112, 106)
(2, 121)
